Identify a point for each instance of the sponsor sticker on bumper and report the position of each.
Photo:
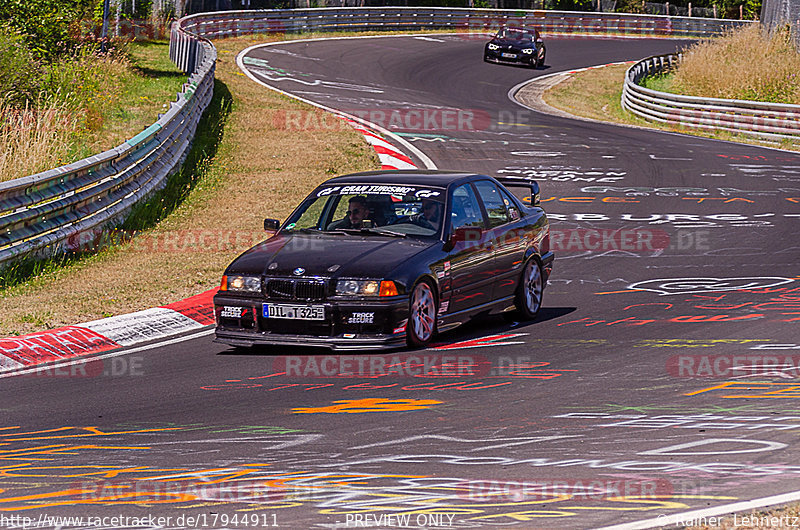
(231, 311)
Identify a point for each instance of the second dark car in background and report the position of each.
(516, 45)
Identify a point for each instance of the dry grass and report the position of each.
(739, 65)
(742, 64)
(91, 102)
(34, 139)
(604, 85)
(592, 94)
(259, 171)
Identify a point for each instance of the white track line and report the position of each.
(690, 517)
(405, 143)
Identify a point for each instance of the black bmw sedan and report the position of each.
(516, 45)
(382, 259)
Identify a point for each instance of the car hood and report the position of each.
(514, 43)
(330, 255)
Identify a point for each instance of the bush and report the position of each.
(49, 27)
(19, 70)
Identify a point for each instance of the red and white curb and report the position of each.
(110, 333)
(193, 313)
(389, 155)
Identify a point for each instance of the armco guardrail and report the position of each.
(768, 121)
(233, 23)
(44, 214)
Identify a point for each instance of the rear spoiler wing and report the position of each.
(524, 182)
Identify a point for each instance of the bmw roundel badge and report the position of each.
(298, 271)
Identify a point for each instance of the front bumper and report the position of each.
(519, 58)
(348, 325)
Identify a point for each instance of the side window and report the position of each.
(465, 208)
(493, 201)
(511, 206)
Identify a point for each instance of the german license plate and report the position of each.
(508, 55)
(294, 312)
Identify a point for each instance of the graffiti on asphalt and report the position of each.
(751, 390)
(680, 220)
(369, 405)
(749, 408)
(721, 468)
(79, 478)
(692, 192)
(693, 343)
(556, 173)
(613, 199)
(738, 299)
(687, 421)
(445, 371)
(262, 69)
(673, 286)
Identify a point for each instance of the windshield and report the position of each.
(398, 208)
(514, 34)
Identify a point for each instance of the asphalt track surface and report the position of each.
(657, 380)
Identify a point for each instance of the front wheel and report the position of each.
(530, 290)
(540, 57)
(421, 315)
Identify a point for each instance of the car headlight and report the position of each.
(366, 288)
(527, 51)
(493, 46)
(242, 284)
(358, 287)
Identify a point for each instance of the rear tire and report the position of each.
(422, 309)
(530, 290)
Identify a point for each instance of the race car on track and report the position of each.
(378, 259)
(516, 45)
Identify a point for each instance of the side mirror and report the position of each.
(535, 198)
(271, 225)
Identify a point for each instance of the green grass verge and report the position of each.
(145, 90)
